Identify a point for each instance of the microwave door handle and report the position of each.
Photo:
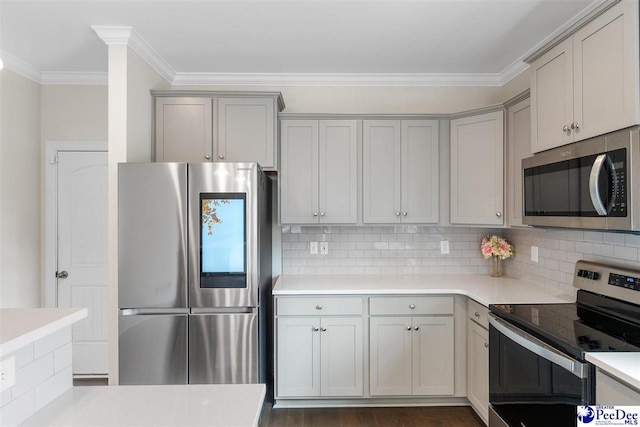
(594, 191)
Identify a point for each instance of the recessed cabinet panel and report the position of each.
(420, 171)
(433, 364)
(478, 369)
(518, 148)
(298, 363)
(477, 170)
(299, 171)
(183, 129)
(341, 356)
(381, 171)
(390, 355)
(246, 131)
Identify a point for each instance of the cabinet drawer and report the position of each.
(478, 313)
(410, 305)
(318, 306)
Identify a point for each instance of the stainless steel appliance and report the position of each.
(537, 367)
(589, 184)
(194, 275)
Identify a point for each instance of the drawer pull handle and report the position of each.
(416, 327)
(476, 314)
(408, 328)
(316, 329)
(318, 307)
(412, 306)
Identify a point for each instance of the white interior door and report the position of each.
(82, 253)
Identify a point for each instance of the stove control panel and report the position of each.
(624, 281)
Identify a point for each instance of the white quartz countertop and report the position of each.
(213, 405)
(483, 289)
(22, 326)
(624, 366)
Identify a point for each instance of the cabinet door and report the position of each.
(477, 169)
(183, 129)
(341, 356)
(552, 98)
(381, 171)
(390, 356)
(298, 357)
(246, 131)
(338, 171)
(605, 54)
(478, 369)
(299, 172)
(419, 151)
(518, 148)
(433, 364)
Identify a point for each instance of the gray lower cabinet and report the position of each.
(319, 172)
(209, 126)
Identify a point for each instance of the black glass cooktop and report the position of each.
(593, 323)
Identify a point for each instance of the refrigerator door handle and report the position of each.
(152, 311)
(223, 310)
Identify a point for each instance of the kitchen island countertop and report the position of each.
(622, 365)
(483, 289)
(222, 405)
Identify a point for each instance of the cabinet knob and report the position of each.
(318, 307)
(404, 213)
(416, 327)
(321, 213)
(476, 314)
(397, 213)
(316, 329)
(486, 345)
(412, 306)
(566, 129)
(575, 126)
(408, 328)
(206, 156)
(323, 329)
(220, 156)
(315, 214)
(498, 214)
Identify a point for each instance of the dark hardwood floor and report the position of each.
(440, 416)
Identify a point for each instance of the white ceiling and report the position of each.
(271, 37)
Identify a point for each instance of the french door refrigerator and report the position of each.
(194, 272)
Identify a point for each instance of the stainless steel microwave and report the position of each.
(592, 184)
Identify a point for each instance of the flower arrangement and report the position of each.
(493, 245)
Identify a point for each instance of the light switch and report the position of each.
(534, 253)
(444, 247)
(313, 248)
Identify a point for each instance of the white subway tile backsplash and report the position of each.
(62, 358)
(32, 374)
(53, 387)
(18, 410)
(51, 342)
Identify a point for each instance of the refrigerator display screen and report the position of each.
(223, 240)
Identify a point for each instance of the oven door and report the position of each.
(532, 384)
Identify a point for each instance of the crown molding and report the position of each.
(73, 78)
(20, 67)
(338, 79)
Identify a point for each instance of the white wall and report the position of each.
(74, 113)
(20, 202)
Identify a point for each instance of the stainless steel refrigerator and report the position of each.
(194, 272)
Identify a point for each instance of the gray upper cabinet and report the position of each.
(587, 84)
(518, 147)
(477, 169)
(400, 171)
(319, 172)
(217, 126)
(247, 131)
(183, 129)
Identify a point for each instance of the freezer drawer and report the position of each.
(153, 349)
(223, 348)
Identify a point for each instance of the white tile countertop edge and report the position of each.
(214, 405)
(22, 326)
(622, 365)
(483, 289)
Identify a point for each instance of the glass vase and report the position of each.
(496, 266)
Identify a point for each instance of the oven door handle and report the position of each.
(538, 347)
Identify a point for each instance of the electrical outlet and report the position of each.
(324, 248)
(444, 247)
(534, 253)
(7, 373)
(313, 248)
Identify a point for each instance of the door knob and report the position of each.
(62, 274)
